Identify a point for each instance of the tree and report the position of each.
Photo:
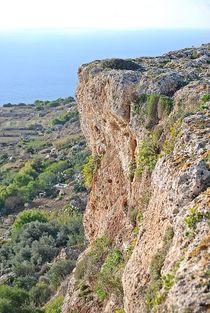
(13, 299)
(46, 181)
(27, 217)
(40, 293)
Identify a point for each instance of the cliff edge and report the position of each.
(147, 122)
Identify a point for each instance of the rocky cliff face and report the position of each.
(147, 122)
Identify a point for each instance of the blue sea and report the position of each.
(43, 64)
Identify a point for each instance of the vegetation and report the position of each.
(27, 217)
(103, 265)
(136, 216)
(152, 107)
(165, 106)
(132, 169)
(15, 300)
(34, 145)
(36, 177)
(101, 293)
(195, 217)
(109, 277)
(206, 97)
(147, 155)
(55, 305)
(65, 117)
(42, 196)
(40, 104)
(59, 271)
(169, 143)
(36, 241)
(153, 296)
(90, 169)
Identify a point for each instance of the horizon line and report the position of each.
(98, 29)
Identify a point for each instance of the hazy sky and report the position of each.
(56, 14)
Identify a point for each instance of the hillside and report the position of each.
(147, 123)
(42, 199)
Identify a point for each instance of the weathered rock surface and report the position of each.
(158, 218)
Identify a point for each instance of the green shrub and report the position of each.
(169, 143)
(153, 297)
(25, 282)
(147, 155)
(46, 182)
(101, 294)
(40, 293)
(206, 97)
(137, 108)
(90, 169)
(136, 216)
(90, 265)
(28, 216)
(58, 167)
(65, 117)
(13, 300)
(195, 217)
(165, 106)
(36, 144)
(59, 271)
(151, 107)
(159, 257)
(55, 305)
(109, 277)
(168, 281)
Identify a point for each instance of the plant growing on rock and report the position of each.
(169, 143)
(152, 107)
(147, 155)
(109, 277)
(206, 97)
(90, 169)
(153, 297)
(195, 217)
(54, 306)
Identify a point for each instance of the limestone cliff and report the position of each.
(147, 122)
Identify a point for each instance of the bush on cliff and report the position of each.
(147, 155)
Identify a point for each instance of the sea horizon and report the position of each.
(43, 64)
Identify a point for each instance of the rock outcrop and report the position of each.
(147, 122)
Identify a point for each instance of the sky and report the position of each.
(97, 14)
